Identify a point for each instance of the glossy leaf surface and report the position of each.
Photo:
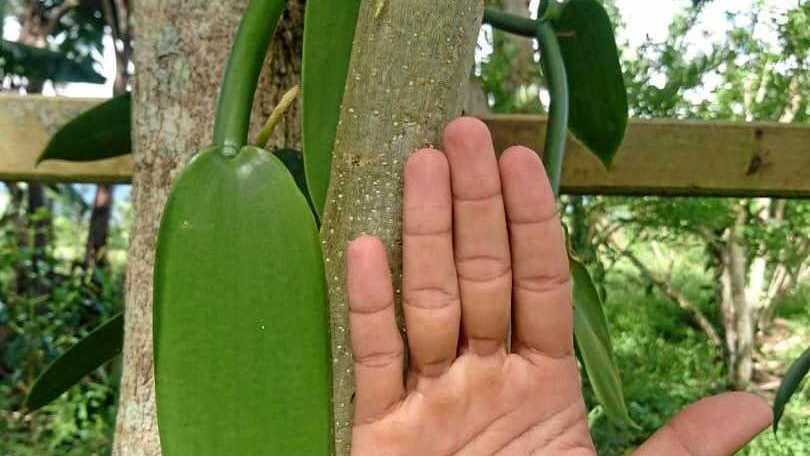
(90, 353)
(790, 384)
(598, 96)
(593, 341)
(240, 318)
(103, 131)
(328, 34)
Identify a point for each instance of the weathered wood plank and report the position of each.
(668, 157)
(658, 157)
(26, 125)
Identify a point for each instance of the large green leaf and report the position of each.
(593, 341)
(790, 384)
(102, 131)
(90, 353)
(41, 64)
(328, 34)
(240, 319)
(597, 93)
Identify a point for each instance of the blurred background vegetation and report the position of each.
(702, 294)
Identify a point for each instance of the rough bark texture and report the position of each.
(409, 68)
(180, 53)
(736, 306)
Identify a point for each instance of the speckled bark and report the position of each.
(180, 50)
(408, 73)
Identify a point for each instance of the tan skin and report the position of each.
(484, 261)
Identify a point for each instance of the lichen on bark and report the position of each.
(409, 69)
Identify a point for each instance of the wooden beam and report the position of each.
(658, 157)
(26, 125)
(669, 157)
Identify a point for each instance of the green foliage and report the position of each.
(80, 360)
(501, 74)
(240, 318)
(594, 346)
(75, 37)
(103, 131)
(791, 383)
(663, 371)
(39, 64)
(597, 93)
(328, 35)
(58, 305)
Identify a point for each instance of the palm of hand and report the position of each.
(487, 306)
(486, 406)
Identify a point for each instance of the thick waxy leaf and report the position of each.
(240, 318)
(41, 64)
(90, 353)
(593, 341)
(100, 132)
(790, 384)
(597, 93)
(328, 34)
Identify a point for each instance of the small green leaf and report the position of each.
(241, 335)
(328, 34)
(790, 384)
(593, 341)
(90, 353)
(597, 93)
(100, 132)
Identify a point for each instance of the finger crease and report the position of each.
(378, 360)
(429, 232)
(485, 278)
(431, 298)
(542, 283)
(541, 220)
(472, 199)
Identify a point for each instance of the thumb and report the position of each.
(716, 426)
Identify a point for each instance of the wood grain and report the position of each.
(658, 157)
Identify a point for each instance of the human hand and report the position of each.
(484, 260)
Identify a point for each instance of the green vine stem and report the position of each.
(242, 74)
(556, 130)
(517, 25)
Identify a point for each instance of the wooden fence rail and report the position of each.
(658, 157)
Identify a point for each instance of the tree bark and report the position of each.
(98, 231)
(735, 263)
(180, 55)
(409, 68)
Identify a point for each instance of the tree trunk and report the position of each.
(116, 14)
(97, 233)
(180, 56)
(734, 263)
(409, 68)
